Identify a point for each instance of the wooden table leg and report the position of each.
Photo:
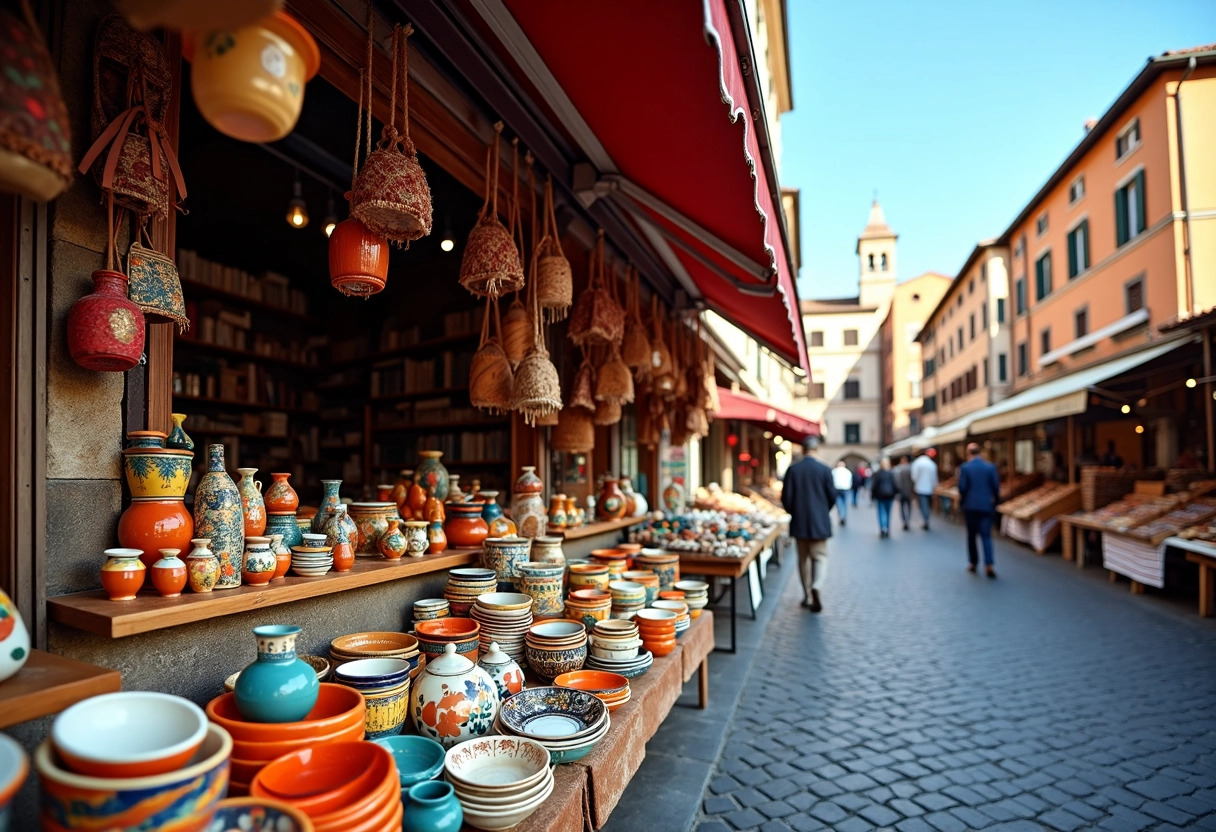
(1079, 546)
(1207, 590)
(1066, 544)
(1137, 588)
(703, 683)
(1112, 576)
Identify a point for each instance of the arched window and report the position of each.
(871, 262)
(884, 261)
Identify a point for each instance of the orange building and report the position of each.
(902, 364)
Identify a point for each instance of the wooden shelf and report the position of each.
(248, 355)
(468, 423)
(238, 433)
(93, 612)
(243, 405)
(418, 394)
(408, 349)
(48, 683)
(600, 527)
(208, 290)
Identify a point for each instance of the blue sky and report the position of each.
(955, 112)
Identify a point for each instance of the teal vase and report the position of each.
(430, 474)
(286, 525)
(218, 515)
(178, 438)
(432, 807)
(278, 687)
(329, 503)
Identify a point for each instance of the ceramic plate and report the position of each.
(572, 712)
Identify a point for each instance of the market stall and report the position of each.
(1033, 516)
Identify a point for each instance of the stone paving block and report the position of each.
(1084, 810)
(880, 815)
(1122, 819)
(723, 783)
(745, 818)
(775, 809)
(751, 776)
(913, 825)
(853, 825)
(780, 770)
(713, 826)
(748, 797)
(1062, 820)
(935, 801)
(828, 812)
(850, 801)
(906, 789)
(802, 801)
(774, 826)
(806, 823)
(826, 788)
(1166, 813)
(778, 789)
(1160, 788)
(856, 782)
(945, 822)
(718, 805)
(964, 795)
(971, 817)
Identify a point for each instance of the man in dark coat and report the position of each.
(979, 490)
(808, 494)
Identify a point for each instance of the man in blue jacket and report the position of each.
(979, 487)
(808, 494)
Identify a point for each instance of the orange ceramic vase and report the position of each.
(465, 527)
(281, 498)
(344, 557)
(152, 525)
(122, 574)
(169, 573)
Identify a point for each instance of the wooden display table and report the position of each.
(48, 683)
(1204, 554)
(732, 569)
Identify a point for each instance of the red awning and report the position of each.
(750, 409)
(654, 95)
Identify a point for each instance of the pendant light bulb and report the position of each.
(447, 242)
(297, 210)
(331, 218)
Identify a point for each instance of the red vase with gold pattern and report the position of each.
(105, 329)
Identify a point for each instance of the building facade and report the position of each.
(845, 390)
(902, 366)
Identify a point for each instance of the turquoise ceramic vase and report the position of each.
(431, 474)
(432, 806)
(329, 503)
(218, 515)
(278, 687)
(286, 525)
(178, 438)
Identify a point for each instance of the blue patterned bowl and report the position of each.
(553, 713)
(550, 664)
(258, 814)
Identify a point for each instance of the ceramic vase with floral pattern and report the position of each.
(286, 525)
(453, 699)
(202, 566)
(431, 474)
(218, 515)
(329, 501)
(252, 503)
(393, 544)
(281, 497)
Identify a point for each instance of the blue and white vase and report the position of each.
(218, 515)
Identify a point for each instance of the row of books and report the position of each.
(426, 412)
(234, 330)
(466, 446)
(417, 375)
(248, 383)
(269, 288)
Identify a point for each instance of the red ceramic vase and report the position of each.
(358, 259)
(344, 557)
(105, 329)
(465, 527)
(281, 498)
(152, 525)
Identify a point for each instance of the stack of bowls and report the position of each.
(616, 560)
(610, 688)
(342, 786)
(464, 585)
(658, 630)
(555, 647)
(664, 564)
(680, 608)
(504, 618)
(385, 684)
(627, 598)
(434, 636)
(589, 606)
(428, 609)
(615, 639)
(696, 595)
(14, 768)
(130, 760)
(418, 759)
(499, 781)
(647, 579)
(629, 668)
(565, 721)
(588, 576)
(377, 645)
(311, 561)
(338, 716)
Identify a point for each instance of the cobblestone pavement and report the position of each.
(928, 698)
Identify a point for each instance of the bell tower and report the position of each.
(876, 259)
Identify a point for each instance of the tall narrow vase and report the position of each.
(329, 501)
(218, 516)
(252, 503)
(278, 687)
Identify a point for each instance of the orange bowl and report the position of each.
(243, 771)
(448, 629)
(338, 707)
(660, 647)
(327, 779)
(603, 684)
(370, 645)
(266, 752)
(366, 812)
(590, 596)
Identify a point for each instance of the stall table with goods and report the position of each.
(1199, 545)
(1033, 516)
(714, 497)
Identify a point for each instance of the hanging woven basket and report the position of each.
(613, 380)
(491, 382)
(517, 335)
(635, 349)
(574, 433)
(662, 370)
(491, 266)
(555, 280)
(538, 389)
(597, 318)
(391, 195)
(607, 413)
(582, 392)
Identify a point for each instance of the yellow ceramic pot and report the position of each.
(386, 710)
(249, 82)
(157, 473)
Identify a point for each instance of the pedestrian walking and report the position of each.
(842, 480)
(903, 481)
(924, 480)
(859, 482)
(883, 489)
(808, 494)
(979, 490)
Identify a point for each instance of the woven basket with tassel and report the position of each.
(490, 266)
(613, 380)
(635, 349)
(607, 413)
(517, 334)
(574, 433)
(555, 280)
(538, 389)
(491, 381)
(597, 318)
(662, 368)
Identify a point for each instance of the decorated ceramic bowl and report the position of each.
(129, 734)
(258, 814)
(496, 764)
(552, 713)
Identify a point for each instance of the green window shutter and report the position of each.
(1121, 216)
(1141, 218)
(1084, 228)
(1073, 267)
